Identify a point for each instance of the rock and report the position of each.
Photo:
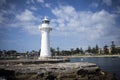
(110, 76)
(60, 71)
(81, 72)
(102, 73)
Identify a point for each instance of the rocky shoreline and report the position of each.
(56, 71)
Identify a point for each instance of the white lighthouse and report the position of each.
(45, 42)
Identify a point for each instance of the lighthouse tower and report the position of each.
(45, 42)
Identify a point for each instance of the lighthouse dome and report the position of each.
(45, 20)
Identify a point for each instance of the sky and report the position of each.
(75, 23)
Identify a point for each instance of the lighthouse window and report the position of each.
(45, 21)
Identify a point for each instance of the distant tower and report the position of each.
(45, 43)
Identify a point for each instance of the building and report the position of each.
(45, 42)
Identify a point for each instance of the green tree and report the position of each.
(39, 52)
(58, 51)
(81, 51)
(72, 51)
(53, 51)
(96, 49)
(113, 49)
(66, 53)
(11, 52)
(77, 51)
(1, 53)
(93, 50)
(89, 49)
(106, 51)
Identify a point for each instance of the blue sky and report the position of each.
(75, 23)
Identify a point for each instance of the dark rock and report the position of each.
(7, 74)
(60, 71)
(50, 77)
(110, 76)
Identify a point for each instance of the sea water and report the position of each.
(108, 64)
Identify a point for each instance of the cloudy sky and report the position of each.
(75, 23)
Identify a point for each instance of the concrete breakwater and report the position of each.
(56, 71)
(33, 61)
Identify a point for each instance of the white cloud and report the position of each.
(27, 15)
(2, 2)
(107, 2)
(94, 4)
(47, 5)
(30, 1)
(5, 12)
(27, 21)
(40, 1)
(33, 8)
(2, 19)
(118, 10)
(93, 25)
(33, 1)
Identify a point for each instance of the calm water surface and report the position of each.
(111, 65)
